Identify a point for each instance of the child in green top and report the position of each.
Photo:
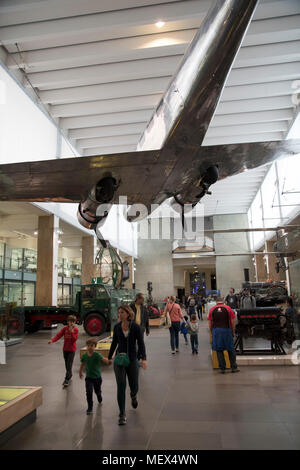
(93, 380)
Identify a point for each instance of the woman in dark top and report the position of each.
(126, 335)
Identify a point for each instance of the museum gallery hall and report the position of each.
(149, 227)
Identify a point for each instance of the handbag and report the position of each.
(168, 323)
(122, 359)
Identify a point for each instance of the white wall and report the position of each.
(26, 134)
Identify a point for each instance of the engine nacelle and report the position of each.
(102, 193)
(193, 196)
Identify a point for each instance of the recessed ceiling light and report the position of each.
(159, 24)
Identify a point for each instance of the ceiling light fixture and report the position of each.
(159, 24)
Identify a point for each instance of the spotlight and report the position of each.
(159, 24)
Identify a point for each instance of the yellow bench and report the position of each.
(103, 347)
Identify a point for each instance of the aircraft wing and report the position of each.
(144, 177)
(140, 175)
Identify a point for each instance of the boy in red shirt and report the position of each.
(70, 334)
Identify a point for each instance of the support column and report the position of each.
(230, 269)
(155, 264)
(88, 259)
(272, 260)
(261, 268)
(187, 283)
(47, 255)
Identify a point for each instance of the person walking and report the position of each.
(141, 316)
(70, 334)
(193, 329)
(91, 360)
(200, 306)
(184, 330)
(191, 305)
(174, 312)
(221, 324)
(127, 334)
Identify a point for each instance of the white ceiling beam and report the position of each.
(109, 141)
(256, 117)
(156, 67)
(107, 131)
(112, 25)
(116, 50)
(257, 104)
(106, 23)
(31, 11)
(106, 119)
(142, 47)
(109, 150)
(105, 106)
(105, 91)
(270, 136)
(106, 73)
(270, 9)
(263, 73)
(268, 31)
(257, 90)
(268, 54)
(19, 13)
(262, 127)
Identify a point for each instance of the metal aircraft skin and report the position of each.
(170, 160)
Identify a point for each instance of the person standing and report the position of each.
(221, 324)
(247, 301)
(70, 334)
(127, 334)
(232, 299)
(91, 360)
(141, 316)
(174, 311)
(290, 311)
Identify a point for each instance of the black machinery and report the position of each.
(267, 294)
(266, 322)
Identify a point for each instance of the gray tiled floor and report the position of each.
(183, 402)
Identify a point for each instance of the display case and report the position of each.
(13, 258)
(30, 260)
(18, 407)
(1, 255)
